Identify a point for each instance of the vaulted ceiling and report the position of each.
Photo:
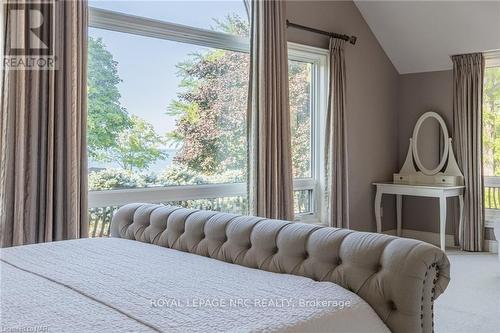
(420, 36)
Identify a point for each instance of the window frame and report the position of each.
(146, 27)
(491, 59)
(319, 93)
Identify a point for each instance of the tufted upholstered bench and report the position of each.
(400, 278)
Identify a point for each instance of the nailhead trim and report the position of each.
(433, 292)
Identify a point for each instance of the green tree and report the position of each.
(212, 110)
(299, 78)
(137, 146)
(106, 117)
(114, 135)
(211, 113)
(491, 122)
(109, 179)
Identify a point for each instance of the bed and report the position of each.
(170, 269)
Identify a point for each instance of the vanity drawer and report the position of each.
(446, 180)
(400, 178)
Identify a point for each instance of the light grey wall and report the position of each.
(372, 83)
(383, 107)
(418, 93)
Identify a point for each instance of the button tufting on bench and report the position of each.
(348, 258)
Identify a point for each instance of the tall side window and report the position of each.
(307, 72)
(491, 139)
(167, 108)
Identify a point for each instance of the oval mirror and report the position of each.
(430, 143)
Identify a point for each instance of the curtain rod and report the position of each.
(350, 39)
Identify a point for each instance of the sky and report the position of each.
(147, 65)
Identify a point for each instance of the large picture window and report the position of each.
(175, 116)
(167, 110)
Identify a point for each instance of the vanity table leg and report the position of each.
(442, 221)
(399, 205)
(461, 221)
(378, 203)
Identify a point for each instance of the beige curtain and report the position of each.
(336, 182)
(270, 164)
(468, 72)
(43, 187)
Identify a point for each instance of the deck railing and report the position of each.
(491, 200)
(230, 198)
(100, 220)
(100, 217)
(492, 192)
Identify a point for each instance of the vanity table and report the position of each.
(442, 192)
(440, 181)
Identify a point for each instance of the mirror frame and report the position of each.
(444, 156)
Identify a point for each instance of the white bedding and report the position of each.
(117, 285)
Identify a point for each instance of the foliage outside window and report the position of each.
(204, 105)
(491, 135)
(210, 112)
(491, 122)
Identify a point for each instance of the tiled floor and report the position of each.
(471, 303)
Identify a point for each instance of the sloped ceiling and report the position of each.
(420, 36)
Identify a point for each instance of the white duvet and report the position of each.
(117, 285)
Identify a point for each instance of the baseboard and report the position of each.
(433, 238)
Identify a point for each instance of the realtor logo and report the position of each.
(29, 40)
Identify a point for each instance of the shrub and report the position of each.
(108, 179)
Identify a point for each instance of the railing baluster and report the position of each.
(96, 219)
(492, 197)
(103, 221)
(489, 197)
(486, 200)
(495, 201)
(109, 224)
(495, 195)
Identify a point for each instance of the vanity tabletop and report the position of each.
(430, 186)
